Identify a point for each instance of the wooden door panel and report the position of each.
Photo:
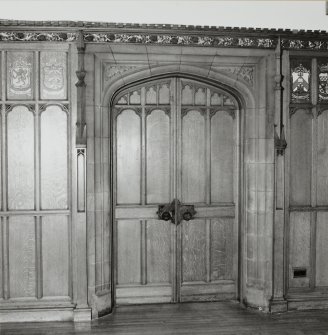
(182, 151)
(193, 172)
(159, 263)
(128, 252)
(221, 250)
(193, 251)
(158, 157)
(222, 146)
(128, 151)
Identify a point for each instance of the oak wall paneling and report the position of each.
(36, 241)
(307, 224)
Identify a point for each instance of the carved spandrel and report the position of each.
(186, 110)
(166, 110)
(118, 110)
(111, 71)
(230, 111)
(307, 108)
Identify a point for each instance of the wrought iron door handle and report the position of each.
(167, 212)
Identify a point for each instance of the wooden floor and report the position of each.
(191, 318)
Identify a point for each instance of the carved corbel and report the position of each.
(280, 142)
(80, 85)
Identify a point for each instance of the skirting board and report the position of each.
(45, 315)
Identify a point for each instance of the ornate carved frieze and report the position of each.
(299, 44)
(38, 37)
(112, 71)
(212, 41)
(245, 72)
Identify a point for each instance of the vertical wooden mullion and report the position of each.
(4, 169)
(314, 95)
(286, 167)
(208, 224)
(143, 187)
(208, 183)
(208, 149)
(178, 180)
(143, 253)
(37, 178)
(172, 116)
(113, 155)
(4, 166)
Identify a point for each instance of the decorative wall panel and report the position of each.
(322, 159)
(53, 75)
(20, 156)
(299, 245)
(22, 256)
(323, 80)
(20, 75)
(301, 158)
(55, 255)
(54, 158)
(322, 250)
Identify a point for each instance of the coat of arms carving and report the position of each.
(20, 76)
(53, 75)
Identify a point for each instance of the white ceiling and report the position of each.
(262, 14)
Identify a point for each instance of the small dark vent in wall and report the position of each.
(299, 273)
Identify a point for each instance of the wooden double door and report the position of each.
(175, 139)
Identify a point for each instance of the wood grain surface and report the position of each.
(187, 318)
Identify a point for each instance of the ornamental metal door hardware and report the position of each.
(176, 211)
